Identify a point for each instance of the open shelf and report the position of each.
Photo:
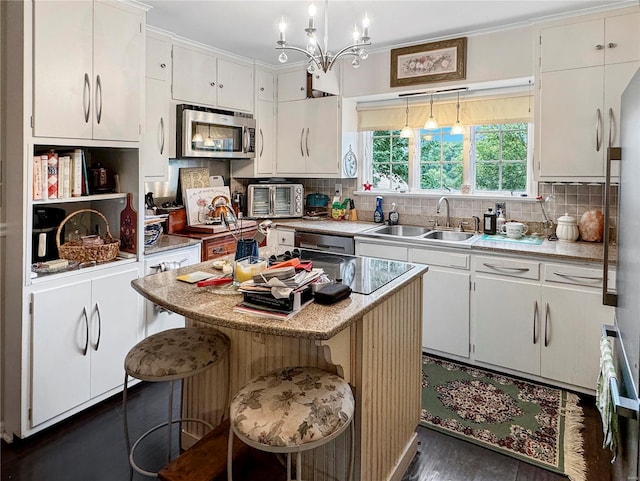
(84, 198)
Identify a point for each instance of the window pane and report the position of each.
(514, 176)
(487, 177)
(488, 146)
(430, 176)
(514, 145)
(430, 149)
(452, 175)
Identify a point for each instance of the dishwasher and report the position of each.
(325, 242)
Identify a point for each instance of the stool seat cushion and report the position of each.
(292, 406)
(176, 353)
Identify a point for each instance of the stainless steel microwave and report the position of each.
(275, 200)
(216, 134)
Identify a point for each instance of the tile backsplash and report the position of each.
(574, 199)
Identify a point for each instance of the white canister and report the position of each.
(567, 229)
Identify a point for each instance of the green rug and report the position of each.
(534, 423)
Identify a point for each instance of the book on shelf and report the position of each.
(40, 191)
(293, 302)
(64, 176)
(52, 175)
(76, 173)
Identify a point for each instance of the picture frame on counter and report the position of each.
(429, 62)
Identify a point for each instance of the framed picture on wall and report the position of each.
(429, 62)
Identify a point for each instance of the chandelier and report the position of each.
(319, 56)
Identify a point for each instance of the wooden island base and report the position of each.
(379, 355)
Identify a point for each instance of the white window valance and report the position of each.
(475, 111)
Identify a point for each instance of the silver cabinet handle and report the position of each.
(98, 99)
(608, 298)
(599, 47)
(99, 327)
(612, 45)
(570, 276)
(86, 98)
(506, 268)
(245, 139)
(86, 330)
(261, 89)
(611, 127)
(301, 135)
(535, 322)
(261, 142)
(598, 129)
(161, 135)
(221, 86)
(307, 142)
(546, 324)
(163, 65)
(213, 84)
(272, 195)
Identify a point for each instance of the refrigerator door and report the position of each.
(628, 266)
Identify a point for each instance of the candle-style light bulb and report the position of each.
(282, 26)
(312, 13)
(365, 26)
(356, 34)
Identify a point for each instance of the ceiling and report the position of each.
(249, 28)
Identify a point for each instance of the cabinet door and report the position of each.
(266, 138)
(572, 46)
(570, 335)
(507, 323)
(569, 104)
(291, 135)
(155, 158)
(158, 58)
(445, 312)
(321, 142)
(194, 76)
(115, 315)
(63, 83)
(622, 38)
(235, 86)
(61, 369)
(292, 86)
(118, 72)
(264, 85)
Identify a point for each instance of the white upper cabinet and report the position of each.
(584, 67)
(265, 82)
(87, 80)
(158, 58)
(201, 77)
(292, 86)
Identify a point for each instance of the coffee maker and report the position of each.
(45, 225)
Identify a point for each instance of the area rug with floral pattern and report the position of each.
(531, 422)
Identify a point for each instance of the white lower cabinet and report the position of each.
(445, 300)
(547, 327)
(81, 333)
(156, 318)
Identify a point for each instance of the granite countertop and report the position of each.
(170, 242)
(209, 305)
(570, 251)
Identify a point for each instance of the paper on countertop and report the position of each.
(194, 277)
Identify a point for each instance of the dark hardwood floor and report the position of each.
(90, 447)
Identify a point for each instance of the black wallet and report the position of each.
(332, 293)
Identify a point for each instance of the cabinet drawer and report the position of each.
(583, 276)
(218, 248)
(286, 237)
(439, 258)
(395, 253)
(507, 267)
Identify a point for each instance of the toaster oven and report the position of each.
(275, 200)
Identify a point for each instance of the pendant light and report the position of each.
(431, 123)
(457, 127)
(197, 137)
(406, 132)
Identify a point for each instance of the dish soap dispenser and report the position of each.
(378, 215)
(500, 221)
(489, 222)
(393, 214)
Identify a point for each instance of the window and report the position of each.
(490, 158)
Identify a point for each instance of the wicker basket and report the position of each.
(75, 251)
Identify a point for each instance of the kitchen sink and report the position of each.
(400, 230)
(448, 235)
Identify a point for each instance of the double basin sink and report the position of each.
(421, 234)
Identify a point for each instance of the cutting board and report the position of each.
(129, 227)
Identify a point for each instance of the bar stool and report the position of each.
(171, 355)
(291, 410)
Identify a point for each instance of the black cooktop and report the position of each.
(363, 274)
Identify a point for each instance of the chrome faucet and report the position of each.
(444, 198)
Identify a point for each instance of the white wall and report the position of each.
(491, 57)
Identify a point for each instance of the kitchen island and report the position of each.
(373, 341)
